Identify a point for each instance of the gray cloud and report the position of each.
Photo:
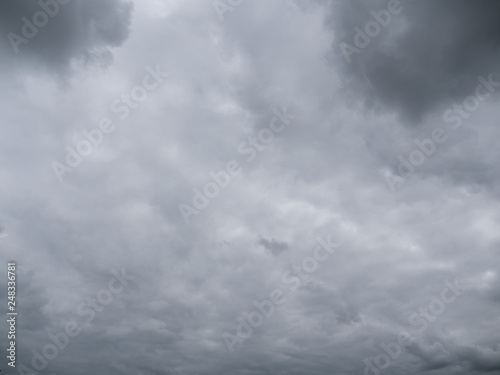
(83, 31)
(413, 69)
(274, 246)
(321, 177)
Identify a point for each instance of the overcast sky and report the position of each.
(169, 165)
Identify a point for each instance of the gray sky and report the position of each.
(390, 151)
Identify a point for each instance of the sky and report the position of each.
(247, 187)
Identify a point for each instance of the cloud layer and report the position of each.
(416, 263)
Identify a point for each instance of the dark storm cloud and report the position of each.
(84, 30)
(429, 53)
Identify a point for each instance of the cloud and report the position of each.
(274, 246)
(411, 69)
(73, 31)
(321, 178)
